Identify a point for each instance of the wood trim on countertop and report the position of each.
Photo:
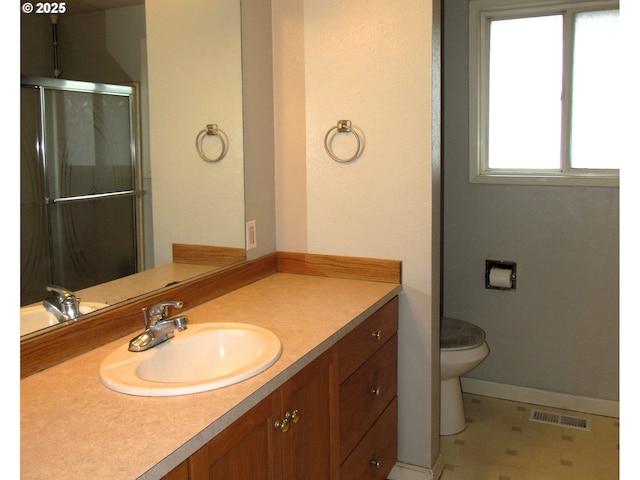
(372, 269)
(206, 255)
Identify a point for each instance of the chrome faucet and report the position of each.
(62, 303)
(158, 328)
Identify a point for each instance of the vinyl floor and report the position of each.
(501, 443)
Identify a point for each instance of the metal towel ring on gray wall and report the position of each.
(212, 129)
(343, 126)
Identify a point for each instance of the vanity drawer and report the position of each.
(366, 393)
(365, 339)
(376, 454)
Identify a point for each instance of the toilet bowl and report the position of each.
(462, 348)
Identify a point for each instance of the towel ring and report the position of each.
(343, 126)
(212, 129)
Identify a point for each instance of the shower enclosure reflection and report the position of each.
(188, 203)
(81, 196)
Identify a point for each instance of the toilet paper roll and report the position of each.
(500, 277)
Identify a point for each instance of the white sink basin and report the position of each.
(36, 317)
(204, 357)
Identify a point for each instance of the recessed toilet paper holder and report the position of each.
(507, 277)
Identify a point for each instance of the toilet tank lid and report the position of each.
(456, 333)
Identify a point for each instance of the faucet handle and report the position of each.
(62, 303)
(59, 291)
(160, 311)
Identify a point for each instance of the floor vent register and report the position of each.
(559, 419)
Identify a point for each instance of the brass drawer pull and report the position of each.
(376, 463)
(376, 391)
(377, 334)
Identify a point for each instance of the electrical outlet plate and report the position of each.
(250, 234)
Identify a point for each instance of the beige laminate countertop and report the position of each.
(73, 427)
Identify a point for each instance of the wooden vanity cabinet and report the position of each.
(335, 419)
(304, 450)
(368, 412)
(285, 437)
(242, 451)
(181, 472)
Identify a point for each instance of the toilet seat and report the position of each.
(459, 335)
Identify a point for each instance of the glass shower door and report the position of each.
(91, 190)
(91, 185)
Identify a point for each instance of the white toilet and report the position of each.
(462, 348)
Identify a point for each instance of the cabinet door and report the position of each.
(240, 452)
(181, 472)
(305, 446)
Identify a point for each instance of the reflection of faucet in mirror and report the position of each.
(62, 303)
(158, 328)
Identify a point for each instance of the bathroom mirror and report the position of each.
(186, 62)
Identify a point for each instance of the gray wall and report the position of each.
(558, 331)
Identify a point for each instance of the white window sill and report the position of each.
(551, 179)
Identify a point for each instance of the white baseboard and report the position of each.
(596, 406)
(405, 471)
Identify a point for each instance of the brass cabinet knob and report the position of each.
(293, 416)
(282, 425)
(376, 463)
(376, 391)
(377, 334)
(289, 418)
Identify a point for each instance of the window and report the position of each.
(544, 95)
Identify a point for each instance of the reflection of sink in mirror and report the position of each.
(204, 357)
(35, 317)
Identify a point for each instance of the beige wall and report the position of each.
(368, 62)
(195, 79)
